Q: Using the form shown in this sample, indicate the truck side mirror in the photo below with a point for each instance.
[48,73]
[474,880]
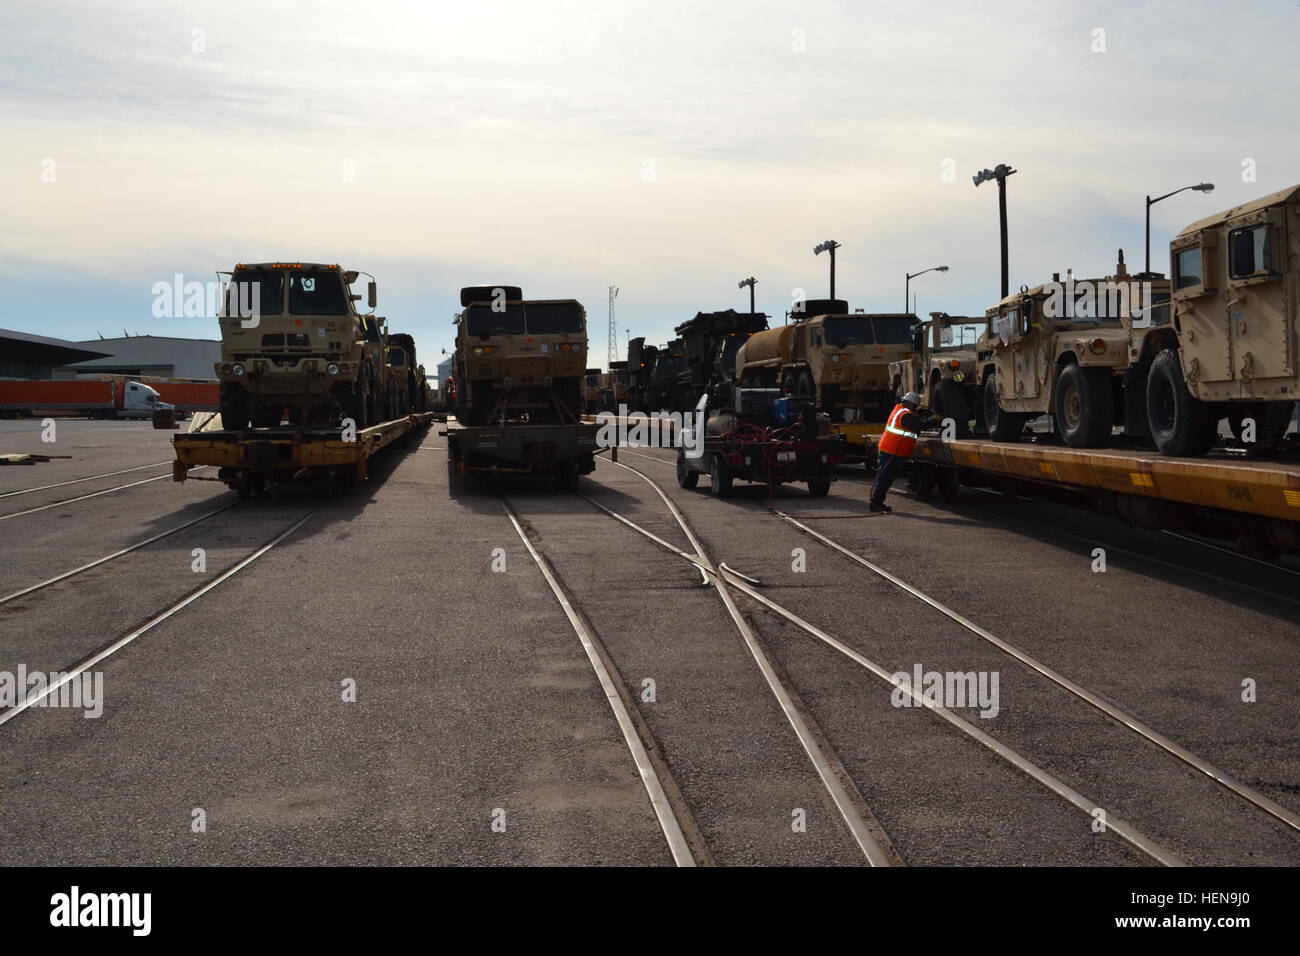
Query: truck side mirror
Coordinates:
[370,293]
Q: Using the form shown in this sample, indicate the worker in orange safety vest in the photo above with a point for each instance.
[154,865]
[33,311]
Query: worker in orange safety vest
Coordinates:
[895,446]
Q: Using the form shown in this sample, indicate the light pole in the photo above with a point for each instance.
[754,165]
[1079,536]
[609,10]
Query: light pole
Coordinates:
[830,245]
[1000,173]
[749,282]
[1199,187]
[912,275]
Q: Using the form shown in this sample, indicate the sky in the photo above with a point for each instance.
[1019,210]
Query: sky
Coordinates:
[670,149]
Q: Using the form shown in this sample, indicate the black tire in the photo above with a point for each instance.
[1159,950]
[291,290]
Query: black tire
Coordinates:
[819,487]
[789,383]
[950,402]
[1181,425]
[1272,420]
[686,478]
[1002,426]
[719,478]
[234,408]
[1085,406]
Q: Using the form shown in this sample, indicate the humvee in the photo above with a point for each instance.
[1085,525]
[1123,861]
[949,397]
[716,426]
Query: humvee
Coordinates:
[1232,346]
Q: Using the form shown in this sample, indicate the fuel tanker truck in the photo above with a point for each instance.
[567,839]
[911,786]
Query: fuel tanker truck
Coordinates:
[827,355]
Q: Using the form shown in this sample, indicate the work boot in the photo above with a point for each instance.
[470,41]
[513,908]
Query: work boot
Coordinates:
[879,507]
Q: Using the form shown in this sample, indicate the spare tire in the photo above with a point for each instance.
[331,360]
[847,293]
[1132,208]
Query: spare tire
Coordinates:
[486,293]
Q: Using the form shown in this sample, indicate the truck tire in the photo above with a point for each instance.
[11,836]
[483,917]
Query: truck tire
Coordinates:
[1272,421]
[1002,426]
[950,402]
[1085,406]
[234,408]
[686,478]
[819,487]
[719,478]
[1181,425]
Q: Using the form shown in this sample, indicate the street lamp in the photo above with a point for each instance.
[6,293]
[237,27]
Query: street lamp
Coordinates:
[913,275]
[1000,173]
[1199,187]
[830,245]
[749,282]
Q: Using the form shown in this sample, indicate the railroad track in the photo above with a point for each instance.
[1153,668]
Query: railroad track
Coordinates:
[1112,713]
[95,494]
[673,813]
[723,575]
[109,648]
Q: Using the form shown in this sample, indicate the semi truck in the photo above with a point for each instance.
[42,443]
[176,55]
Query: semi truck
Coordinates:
[107,398]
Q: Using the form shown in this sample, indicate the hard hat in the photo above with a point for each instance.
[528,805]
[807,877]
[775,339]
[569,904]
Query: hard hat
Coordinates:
[912,399]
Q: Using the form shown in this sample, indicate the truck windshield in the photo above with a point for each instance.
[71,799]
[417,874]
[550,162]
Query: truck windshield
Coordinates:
[849,330]
[316,293]
[268,287]
[553,317]
[481,320]
[893,331]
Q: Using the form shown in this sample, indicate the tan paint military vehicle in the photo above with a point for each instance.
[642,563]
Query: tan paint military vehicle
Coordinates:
[591,383]
[1232,345]
[943,374]
[405,378]
[1065,349]
[518,360]
[304,350]
[827,354]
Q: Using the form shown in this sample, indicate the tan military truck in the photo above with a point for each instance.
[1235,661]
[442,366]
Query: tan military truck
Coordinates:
[836,358]
[1065,349]
[943,374]
[293,342]
[1231,348]
[517,359]
[404,387]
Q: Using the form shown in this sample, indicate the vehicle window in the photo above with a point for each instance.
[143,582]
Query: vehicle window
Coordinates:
[553,317]
[249,286]
[369,329]
[1187,268]
[1249,251]
[396,357]
[481,320]
[849,330]
[892,331]
[316,293]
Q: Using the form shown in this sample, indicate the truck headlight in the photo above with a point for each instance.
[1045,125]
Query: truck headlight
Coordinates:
[237,370]
[332,368]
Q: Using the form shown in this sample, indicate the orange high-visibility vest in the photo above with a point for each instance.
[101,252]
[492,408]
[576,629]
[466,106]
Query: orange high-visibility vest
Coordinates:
[896,440]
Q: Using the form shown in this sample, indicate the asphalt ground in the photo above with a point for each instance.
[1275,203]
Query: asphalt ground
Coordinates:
[479,732]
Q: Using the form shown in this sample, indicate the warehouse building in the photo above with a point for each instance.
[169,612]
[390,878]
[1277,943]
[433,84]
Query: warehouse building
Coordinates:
[26,356]
[148,355]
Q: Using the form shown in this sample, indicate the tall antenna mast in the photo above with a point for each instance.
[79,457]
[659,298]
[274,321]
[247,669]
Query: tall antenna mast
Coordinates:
[613,327]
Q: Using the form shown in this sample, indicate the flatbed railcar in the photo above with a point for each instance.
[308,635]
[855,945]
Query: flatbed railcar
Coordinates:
[1251,501]
[246,460]
[556,454]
